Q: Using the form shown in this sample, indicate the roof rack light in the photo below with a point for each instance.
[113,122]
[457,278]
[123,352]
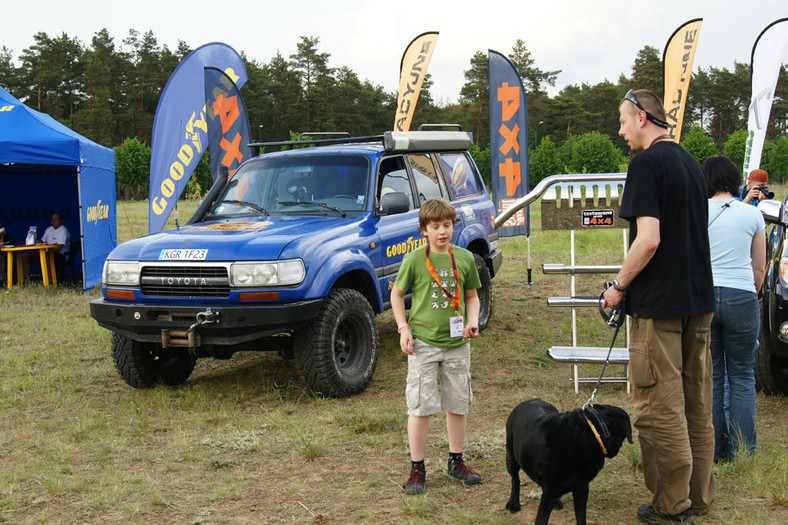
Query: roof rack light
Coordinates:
[404,141]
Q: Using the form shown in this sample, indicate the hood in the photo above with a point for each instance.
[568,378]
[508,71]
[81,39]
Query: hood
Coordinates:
[234,239]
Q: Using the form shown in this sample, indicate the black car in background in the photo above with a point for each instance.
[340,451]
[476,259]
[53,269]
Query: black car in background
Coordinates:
[771,358]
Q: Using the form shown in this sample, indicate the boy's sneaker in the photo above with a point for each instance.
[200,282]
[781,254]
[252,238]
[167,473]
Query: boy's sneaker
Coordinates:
[415,483]
[460,471]
[648,514]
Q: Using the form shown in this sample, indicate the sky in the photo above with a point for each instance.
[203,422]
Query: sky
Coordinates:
[588,40]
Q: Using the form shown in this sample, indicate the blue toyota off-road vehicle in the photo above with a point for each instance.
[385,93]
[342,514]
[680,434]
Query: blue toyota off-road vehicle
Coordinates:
[296,252]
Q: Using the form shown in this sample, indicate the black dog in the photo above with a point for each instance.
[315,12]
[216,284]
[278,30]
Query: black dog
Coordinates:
[561,452]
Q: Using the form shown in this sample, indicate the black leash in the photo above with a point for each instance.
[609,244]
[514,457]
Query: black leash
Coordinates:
[614,319]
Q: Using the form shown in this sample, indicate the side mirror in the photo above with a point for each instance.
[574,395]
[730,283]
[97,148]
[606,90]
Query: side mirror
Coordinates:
[771,211]
[393,203]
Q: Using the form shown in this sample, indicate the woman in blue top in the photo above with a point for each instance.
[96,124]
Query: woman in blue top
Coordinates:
[738,258]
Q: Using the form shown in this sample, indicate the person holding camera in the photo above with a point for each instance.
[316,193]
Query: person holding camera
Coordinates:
[754,189]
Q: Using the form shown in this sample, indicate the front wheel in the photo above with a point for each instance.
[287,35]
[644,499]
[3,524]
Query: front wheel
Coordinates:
[336,354]
[485,292]
[143,365]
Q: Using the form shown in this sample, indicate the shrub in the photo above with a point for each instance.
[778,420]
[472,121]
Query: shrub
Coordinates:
[483,159]
[699,144]
[734,147]
[544,161]
[592,152]
[132,168]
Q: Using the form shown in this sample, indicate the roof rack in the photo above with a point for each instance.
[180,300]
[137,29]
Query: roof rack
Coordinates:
[345,138]
[392,141]
[312,134]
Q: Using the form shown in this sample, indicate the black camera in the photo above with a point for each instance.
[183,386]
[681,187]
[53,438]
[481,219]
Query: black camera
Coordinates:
[766,193]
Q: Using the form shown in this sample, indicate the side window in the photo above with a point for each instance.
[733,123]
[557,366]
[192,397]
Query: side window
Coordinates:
[460,174]
[428,182]
[394,178]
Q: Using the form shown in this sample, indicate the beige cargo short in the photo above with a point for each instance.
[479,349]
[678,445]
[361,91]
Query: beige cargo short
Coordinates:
[423,394]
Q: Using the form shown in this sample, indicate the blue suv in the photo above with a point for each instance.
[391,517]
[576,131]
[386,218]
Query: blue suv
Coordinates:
[296,252]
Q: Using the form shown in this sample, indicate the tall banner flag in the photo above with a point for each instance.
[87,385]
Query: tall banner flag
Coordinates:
[677,62]
[508,142]
[180,127]
[412,71]
[229,133]
[767,53]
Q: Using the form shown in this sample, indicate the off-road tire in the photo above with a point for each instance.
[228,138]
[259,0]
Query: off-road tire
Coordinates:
[771,372]
[336,353]
[143,365]
[485,292]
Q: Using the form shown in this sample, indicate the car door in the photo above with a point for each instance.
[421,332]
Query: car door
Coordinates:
[398,233]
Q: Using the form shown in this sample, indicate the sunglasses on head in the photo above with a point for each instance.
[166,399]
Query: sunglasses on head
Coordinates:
[632,98]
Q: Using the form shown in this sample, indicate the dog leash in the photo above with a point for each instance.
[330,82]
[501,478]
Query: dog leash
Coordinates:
[614,319]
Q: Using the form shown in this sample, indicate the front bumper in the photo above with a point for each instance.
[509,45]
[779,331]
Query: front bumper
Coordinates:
[235,324]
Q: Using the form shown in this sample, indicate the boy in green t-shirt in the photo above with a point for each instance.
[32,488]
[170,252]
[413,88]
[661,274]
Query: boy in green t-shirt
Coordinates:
[444,314]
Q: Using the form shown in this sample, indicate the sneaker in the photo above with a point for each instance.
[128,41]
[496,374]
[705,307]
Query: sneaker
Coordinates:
[462,472]
[647,514]
[415,483]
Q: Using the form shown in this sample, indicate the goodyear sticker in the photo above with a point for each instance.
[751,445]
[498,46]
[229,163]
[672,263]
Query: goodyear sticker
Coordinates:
[404,247]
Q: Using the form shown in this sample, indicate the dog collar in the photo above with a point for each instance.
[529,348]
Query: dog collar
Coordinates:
[596,435]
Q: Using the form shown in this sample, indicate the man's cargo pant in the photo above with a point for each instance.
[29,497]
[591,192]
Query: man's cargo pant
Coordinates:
[671,374]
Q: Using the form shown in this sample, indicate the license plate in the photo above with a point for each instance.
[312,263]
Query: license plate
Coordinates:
[183,255]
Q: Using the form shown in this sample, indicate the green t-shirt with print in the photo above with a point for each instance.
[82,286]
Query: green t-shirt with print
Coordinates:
[431,309]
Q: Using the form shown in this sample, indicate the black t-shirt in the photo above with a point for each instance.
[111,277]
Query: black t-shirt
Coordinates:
[667,183]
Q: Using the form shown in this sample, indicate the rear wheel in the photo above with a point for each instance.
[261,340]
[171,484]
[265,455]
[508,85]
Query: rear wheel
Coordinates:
[143,365]
[337,352]
[485,292]
[771,372]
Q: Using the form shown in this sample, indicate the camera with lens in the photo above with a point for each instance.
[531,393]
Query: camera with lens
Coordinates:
[766,193]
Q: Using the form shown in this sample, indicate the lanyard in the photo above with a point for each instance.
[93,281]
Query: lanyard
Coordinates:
[453,298]
[659,139]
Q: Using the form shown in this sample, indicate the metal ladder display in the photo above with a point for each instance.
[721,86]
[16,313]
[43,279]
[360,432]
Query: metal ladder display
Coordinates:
[587,203]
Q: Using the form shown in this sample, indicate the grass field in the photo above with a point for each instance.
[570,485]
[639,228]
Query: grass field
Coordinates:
[242,442]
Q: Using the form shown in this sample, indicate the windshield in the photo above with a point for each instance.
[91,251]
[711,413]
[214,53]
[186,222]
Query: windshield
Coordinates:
[304,185]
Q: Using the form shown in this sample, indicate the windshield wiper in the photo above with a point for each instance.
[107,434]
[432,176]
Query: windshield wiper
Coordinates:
[321,204]
[246,204]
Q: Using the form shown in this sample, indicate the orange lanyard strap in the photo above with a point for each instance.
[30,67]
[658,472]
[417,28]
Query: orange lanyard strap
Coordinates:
[660,139]
[454,299]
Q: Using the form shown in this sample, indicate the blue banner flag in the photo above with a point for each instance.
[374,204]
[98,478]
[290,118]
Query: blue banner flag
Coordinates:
[508,143]
[229,134]
[180,127]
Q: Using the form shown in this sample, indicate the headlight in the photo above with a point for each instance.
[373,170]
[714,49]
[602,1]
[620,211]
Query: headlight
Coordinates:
[274,273]
[784,269]
[121,273]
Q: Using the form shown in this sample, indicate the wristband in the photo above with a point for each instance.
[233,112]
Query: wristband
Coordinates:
[618,286]
[401,326]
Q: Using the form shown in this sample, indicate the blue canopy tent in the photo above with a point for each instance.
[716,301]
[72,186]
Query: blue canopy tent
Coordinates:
[44,168]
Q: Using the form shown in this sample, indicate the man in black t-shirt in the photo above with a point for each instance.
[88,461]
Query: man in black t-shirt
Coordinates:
[667,281]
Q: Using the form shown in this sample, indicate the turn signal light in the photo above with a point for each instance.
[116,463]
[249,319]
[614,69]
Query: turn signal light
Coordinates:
[258,296]
[120,294]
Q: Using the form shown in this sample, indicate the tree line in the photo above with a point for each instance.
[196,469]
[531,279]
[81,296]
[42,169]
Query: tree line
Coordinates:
[109,91]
